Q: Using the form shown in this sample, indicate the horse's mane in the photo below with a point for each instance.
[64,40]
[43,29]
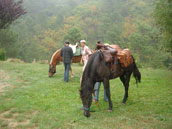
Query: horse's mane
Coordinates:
[54,55]
[88,68]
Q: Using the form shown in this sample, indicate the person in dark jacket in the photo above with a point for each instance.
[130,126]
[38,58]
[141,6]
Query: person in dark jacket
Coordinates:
[67,55]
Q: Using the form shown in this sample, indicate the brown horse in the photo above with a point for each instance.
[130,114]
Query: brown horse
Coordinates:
[56,58]
[98,70]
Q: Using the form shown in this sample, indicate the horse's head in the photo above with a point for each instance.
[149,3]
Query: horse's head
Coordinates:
[86,97]
[52,70]
[74,47]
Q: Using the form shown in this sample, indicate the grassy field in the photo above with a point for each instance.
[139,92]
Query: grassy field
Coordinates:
[29,99]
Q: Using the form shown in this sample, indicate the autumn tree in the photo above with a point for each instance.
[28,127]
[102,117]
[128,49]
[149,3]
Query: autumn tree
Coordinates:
[10,10]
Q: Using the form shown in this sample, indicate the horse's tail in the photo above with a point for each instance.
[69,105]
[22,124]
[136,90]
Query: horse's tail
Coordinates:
[136,73]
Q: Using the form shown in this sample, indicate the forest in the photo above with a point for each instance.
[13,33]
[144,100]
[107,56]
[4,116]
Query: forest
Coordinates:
[131,24]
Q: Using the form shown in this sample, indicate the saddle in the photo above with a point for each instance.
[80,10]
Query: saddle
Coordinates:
[108,55]
[110,51]
[125,57]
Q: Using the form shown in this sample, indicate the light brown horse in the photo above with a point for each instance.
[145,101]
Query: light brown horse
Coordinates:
[56,58]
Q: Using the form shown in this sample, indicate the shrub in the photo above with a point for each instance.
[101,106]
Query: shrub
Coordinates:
[15,60]
[2,54]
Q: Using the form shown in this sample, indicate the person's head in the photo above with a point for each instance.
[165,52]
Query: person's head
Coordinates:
[83,42]
[67,43]
[99,42]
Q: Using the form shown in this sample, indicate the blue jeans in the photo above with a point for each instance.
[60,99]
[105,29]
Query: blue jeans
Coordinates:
[66,72]
[97,89]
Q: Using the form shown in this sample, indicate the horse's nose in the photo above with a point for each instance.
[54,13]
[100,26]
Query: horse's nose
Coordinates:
[49,76]
[87,113]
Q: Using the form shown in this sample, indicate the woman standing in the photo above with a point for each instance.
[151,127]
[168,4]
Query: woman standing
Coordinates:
[85,52]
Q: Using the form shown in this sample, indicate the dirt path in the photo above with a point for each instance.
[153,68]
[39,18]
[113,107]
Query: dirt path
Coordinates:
[9,120]
[4,77]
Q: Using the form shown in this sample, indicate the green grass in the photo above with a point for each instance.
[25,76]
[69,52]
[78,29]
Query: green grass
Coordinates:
[32,100]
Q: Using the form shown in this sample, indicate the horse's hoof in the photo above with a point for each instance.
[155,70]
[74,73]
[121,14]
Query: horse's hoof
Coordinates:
[109,110]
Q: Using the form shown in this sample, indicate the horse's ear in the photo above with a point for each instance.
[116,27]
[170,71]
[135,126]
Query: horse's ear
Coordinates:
[77,44]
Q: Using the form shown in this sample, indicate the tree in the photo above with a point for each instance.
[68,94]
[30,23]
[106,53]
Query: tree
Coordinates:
[73,35]
[163,13]
[8,42]
[9,12]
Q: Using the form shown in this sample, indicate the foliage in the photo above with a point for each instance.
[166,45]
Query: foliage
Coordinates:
[129,24]
[8,42]
[163,13]
[2,54]
[73,35]
[10,11]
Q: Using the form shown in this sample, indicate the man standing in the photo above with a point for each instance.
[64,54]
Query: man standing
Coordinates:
[67,55]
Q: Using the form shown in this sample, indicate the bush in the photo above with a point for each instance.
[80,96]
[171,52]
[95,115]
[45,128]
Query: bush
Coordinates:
[15,60]
[2,54]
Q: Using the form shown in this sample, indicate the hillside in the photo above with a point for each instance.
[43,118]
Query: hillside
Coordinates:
[48,23]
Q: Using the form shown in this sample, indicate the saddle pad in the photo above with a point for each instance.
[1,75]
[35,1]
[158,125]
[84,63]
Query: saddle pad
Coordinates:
[78,52]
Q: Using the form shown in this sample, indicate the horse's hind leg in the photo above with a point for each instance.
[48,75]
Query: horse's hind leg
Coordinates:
[125,80]
[72,74]
[106,85]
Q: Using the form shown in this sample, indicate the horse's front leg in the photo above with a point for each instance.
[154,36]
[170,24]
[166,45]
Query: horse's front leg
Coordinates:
[107,87]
